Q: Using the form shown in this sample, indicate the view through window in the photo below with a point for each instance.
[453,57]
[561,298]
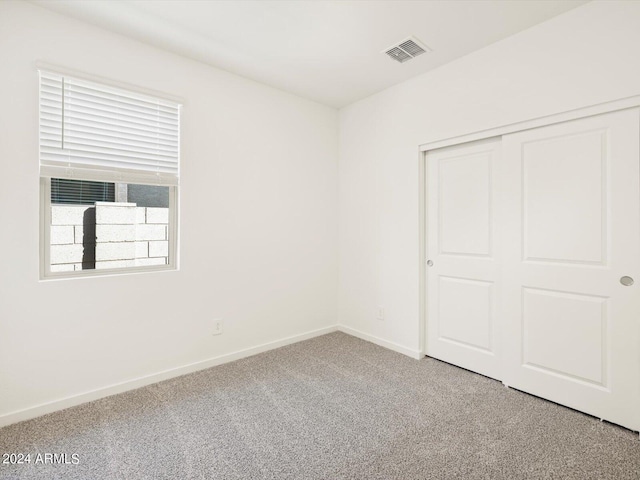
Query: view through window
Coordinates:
[100,225]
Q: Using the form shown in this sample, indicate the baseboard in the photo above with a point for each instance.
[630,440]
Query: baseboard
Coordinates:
[72,401]
[417,354]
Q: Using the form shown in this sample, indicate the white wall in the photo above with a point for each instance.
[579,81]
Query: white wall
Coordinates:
[258,223]
[586,56]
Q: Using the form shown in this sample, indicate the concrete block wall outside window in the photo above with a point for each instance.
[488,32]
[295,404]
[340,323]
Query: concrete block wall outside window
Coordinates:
[108,235]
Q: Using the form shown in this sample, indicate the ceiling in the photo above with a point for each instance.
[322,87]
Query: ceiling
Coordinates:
[328,51]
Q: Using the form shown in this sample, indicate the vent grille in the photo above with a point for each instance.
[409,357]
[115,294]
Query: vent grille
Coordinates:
[406,50]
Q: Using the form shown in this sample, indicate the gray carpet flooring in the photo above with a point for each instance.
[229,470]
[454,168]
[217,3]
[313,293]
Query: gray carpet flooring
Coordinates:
[334,407]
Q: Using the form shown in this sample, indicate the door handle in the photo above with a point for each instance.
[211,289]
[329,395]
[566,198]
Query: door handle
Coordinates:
[626,281]
[429,263]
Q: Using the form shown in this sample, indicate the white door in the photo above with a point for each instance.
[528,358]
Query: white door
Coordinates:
[571,231]
[462,246]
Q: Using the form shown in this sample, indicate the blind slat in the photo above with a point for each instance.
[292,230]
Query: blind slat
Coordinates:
[105,141]
[95,116]
[90,150]
[71,123]
[83,95]
[73,103]
[118,95]
[50,129]
[102,175]
[52,81]
[77,159]
[80,192]
[52,102]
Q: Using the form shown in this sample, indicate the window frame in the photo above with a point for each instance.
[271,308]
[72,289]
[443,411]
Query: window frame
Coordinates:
[123,176]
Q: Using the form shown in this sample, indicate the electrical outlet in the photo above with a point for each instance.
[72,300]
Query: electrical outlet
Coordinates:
[217,326]
[380,312]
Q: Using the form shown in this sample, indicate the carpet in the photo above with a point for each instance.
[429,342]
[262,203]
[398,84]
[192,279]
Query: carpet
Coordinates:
[333,407]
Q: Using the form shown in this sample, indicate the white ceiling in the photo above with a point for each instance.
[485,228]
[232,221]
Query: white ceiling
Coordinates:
[328,51]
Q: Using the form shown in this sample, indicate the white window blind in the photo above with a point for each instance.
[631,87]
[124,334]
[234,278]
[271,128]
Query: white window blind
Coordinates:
[98,132]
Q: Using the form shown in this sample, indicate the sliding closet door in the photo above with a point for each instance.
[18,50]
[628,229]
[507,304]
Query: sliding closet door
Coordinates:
[571,249]
[463,252]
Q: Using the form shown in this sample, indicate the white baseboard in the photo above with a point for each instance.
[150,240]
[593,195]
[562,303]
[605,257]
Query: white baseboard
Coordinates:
[72,401]
[417,354]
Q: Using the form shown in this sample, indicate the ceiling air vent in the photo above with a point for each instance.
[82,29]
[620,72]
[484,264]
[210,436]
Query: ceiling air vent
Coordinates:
[406,50]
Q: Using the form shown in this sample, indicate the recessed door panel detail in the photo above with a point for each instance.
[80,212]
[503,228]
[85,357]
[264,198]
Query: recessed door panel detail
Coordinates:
[469,322]
[564,184]
[556,323]
[465,204]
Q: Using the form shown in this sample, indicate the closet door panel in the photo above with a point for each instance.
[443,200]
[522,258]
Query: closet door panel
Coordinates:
[462,280]
[571,231]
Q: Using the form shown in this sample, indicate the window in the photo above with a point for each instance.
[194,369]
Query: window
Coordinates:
[109,175]
[64,190]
